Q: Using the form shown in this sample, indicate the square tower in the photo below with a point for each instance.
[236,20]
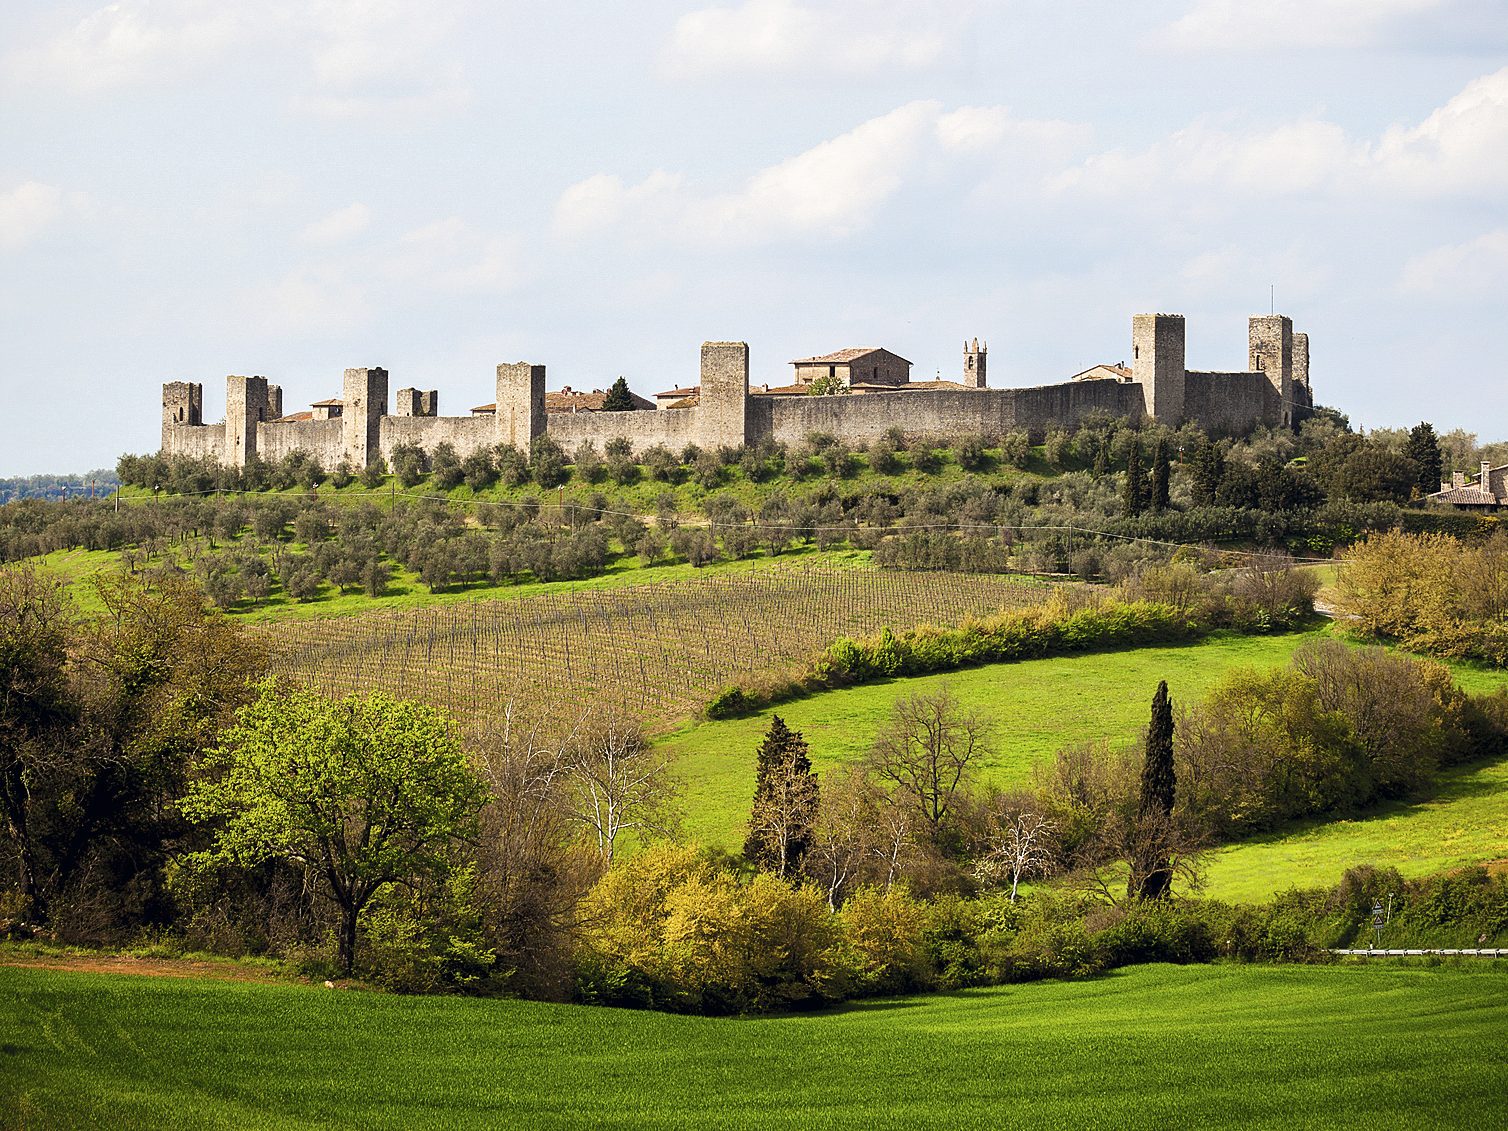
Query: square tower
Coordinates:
[520,414]
[723,406]
[246,406]
[182,404]
[974,358]
[1301,360]
[1270,347]
[1157,364]
[363,405]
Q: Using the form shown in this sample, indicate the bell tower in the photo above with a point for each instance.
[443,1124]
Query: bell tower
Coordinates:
[974,357]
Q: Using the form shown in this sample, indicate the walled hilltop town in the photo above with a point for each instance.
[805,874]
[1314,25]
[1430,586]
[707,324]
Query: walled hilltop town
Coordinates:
[723,409]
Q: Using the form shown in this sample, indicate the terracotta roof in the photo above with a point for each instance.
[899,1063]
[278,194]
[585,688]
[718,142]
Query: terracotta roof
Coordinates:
[782,390]
[293,418]
[1119,371]
[687,402]
[919,385]
[333,402]
[689,390]
[569,400]
[1466,496]
[481,408]
[842,357]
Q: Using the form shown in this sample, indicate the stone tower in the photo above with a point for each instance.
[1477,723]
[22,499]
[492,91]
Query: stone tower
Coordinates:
[182,403]
[520,414]
[363,405]
[1157,364]
[246,405]
[1301,360]
[723,405]
[1270,345]
[974,358]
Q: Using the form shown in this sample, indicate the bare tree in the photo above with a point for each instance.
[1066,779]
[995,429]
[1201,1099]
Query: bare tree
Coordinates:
[1020,848]
[620,782]
[929,751]
[842,833]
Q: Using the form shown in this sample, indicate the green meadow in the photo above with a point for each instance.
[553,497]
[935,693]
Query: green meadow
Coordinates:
[1151,1046]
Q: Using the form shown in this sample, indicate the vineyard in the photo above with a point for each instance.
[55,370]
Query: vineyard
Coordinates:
[660,650]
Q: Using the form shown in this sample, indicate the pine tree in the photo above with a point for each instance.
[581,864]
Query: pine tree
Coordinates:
[1162,472]
[1135,492]
[1424,449]
[618,398]
[1151,863]
[785,801]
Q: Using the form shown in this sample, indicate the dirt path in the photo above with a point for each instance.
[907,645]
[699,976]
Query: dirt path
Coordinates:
[144,967]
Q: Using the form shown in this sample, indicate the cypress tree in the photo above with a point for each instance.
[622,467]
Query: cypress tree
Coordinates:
[618,398]
[1206,470]
[1162,472]
[1424,449]
[1151,864]
[785,801]
[1135,492]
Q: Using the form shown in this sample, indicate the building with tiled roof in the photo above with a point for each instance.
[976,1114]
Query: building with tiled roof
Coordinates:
[869,365]
[569,400]
[1487,493]
[1104,372]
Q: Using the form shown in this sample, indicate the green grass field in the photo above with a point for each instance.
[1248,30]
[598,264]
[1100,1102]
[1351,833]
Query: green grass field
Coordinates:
[1153,1046]
[1465,821]
[1039,706]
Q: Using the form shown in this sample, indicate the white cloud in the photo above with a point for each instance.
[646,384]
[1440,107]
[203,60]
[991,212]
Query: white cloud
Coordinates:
[358,56]
[338,226]
[1476,267]
[852,37]
[830,191]
[1461,148]
[1241,25]
[27,211]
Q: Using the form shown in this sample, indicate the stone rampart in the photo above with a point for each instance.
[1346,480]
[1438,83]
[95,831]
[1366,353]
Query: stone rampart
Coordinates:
[1230,401]
[466,434]
[672,427]
[322,439]
[195,441]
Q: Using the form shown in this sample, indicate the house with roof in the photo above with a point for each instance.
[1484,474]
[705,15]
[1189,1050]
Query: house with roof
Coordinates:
[864,365]
[569,400]
[1484,495]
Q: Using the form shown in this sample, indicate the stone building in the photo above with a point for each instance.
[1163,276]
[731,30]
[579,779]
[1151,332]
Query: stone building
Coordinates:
[1486,494]
[723,409]
[865,366]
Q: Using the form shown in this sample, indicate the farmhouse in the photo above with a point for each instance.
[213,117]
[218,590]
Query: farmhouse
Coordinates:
[871,393]
[1484,495]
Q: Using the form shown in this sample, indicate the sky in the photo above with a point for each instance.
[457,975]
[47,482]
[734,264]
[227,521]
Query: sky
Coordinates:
[190,188]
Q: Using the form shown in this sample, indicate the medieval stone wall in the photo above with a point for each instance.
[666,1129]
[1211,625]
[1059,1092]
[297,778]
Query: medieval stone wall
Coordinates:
[466,434]
[321,439]
[672,427]
[196,441]
[1230,401]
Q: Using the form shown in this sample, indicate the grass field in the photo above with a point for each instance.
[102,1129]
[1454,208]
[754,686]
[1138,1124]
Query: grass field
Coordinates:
[1465,821]
[1355,1046]
[1039,706]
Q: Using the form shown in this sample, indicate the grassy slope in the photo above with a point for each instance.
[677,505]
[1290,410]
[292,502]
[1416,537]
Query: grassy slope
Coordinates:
[1039,705]
[1146,1047]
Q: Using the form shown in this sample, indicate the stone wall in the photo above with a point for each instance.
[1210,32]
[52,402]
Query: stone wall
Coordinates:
[196,441]
[940,412]
[1230,401]
[322,439]
[673,427]
[464,433]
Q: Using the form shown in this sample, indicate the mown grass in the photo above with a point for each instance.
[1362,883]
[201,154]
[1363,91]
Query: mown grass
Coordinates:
[1464,821]
[1038,706]
[1373,1046]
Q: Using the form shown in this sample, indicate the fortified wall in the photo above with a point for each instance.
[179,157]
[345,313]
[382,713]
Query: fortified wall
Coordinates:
[359,427]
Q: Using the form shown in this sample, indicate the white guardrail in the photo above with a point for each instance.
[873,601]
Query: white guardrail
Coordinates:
[1379,952]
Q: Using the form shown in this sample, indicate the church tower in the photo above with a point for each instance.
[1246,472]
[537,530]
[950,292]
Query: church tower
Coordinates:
[974,357]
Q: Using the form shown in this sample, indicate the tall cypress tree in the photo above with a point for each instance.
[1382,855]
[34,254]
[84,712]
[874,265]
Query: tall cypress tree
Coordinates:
[1423,448]
[1206,470]
[1135,492]
[618,398]
[1151,856]
[1162,473]
[785,801]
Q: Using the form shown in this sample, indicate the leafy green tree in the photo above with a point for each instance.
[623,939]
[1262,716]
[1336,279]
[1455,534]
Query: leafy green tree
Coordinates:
[1423,448]
[1206,470]
[1151,864]
[785,801]
[618,398]
[445,466]
[35,705]
[362,794]
[375,474]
